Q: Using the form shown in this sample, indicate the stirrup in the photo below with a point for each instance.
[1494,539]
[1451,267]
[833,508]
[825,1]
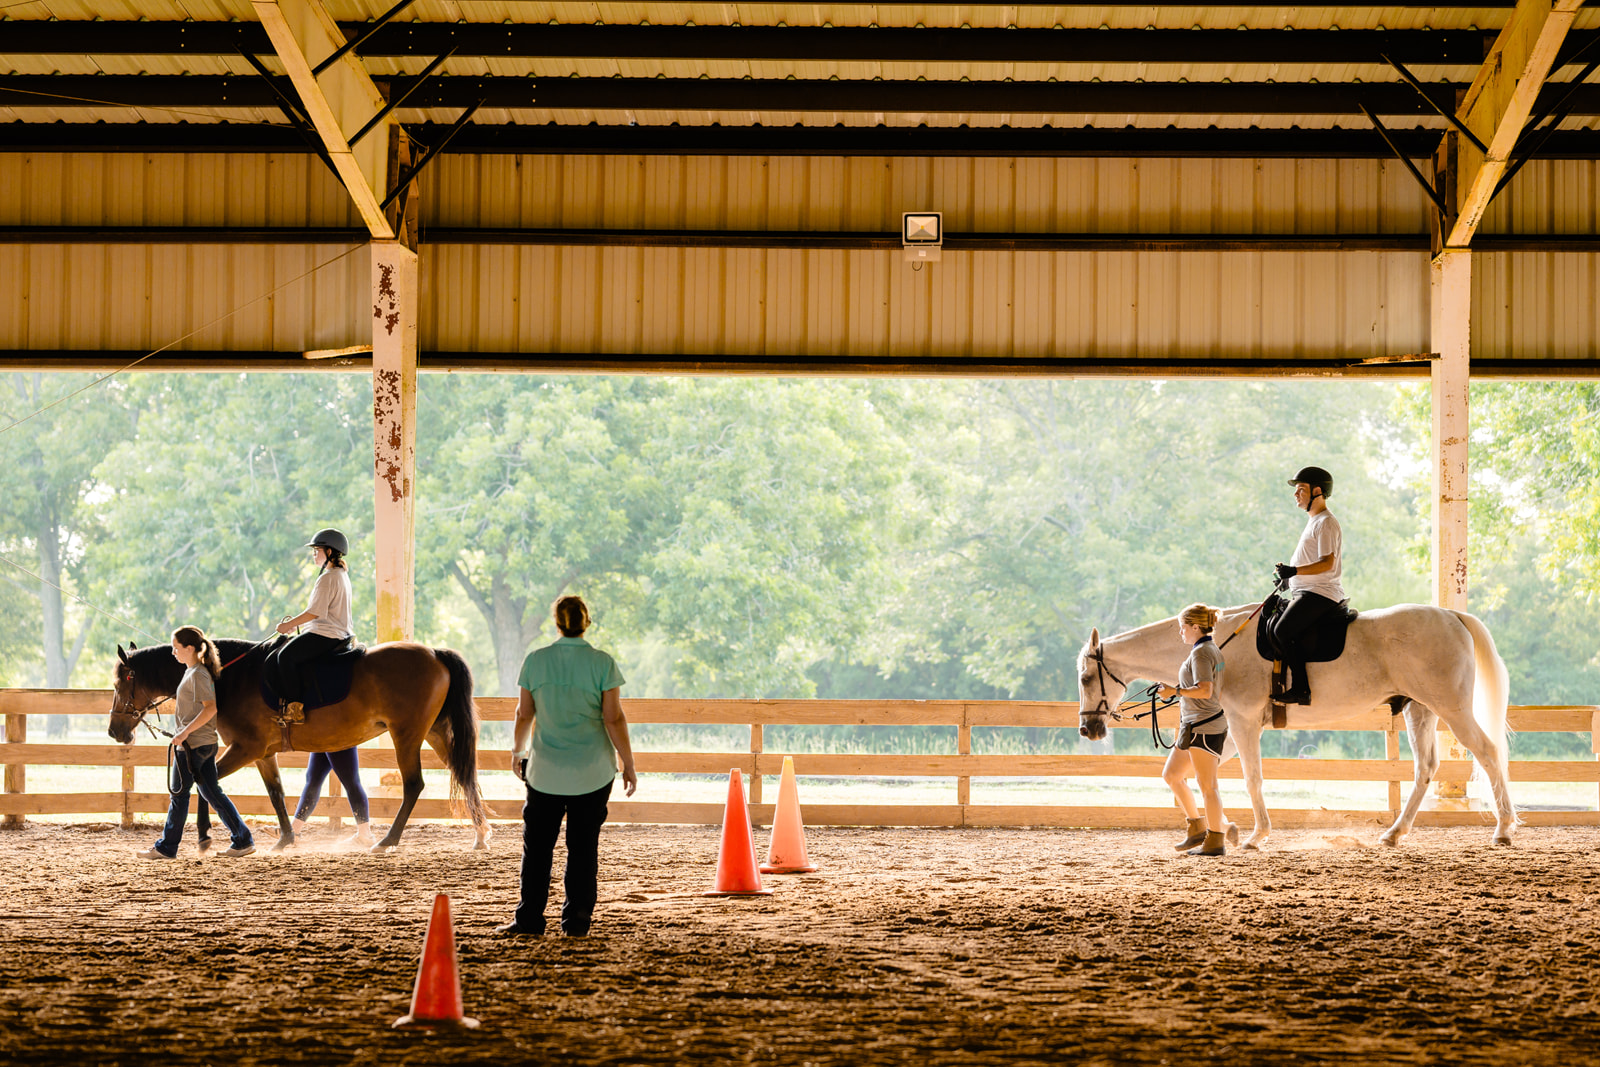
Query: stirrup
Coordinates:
[291,713]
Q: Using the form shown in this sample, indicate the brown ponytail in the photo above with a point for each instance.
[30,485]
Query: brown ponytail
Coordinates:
[195,638]
[571,615]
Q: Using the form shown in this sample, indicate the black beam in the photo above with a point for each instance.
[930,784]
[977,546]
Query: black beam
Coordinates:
[690,94]
[1268,366]
[1004,141]
[1463,48]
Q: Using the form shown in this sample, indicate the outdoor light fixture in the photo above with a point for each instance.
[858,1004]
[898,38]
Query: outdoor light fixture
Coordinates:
[922,236]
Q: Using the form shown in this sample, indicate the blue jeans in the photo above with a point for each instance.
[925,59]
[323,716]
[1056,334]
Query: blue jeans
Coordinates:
[347,765]
[197,768]
[541,825]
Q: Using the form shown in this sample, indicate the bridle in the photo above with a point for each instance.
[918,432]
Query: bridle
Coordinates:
[138,716]
[1104,706]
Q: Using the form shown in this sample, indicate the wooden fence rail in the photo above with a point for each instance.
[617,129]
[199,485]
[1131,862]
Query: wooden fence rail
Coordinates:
[962,765]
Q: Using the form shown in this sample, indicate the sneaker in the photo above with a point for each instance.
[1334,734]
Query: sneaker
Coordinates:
[235,852]
[511,929]
[153,854]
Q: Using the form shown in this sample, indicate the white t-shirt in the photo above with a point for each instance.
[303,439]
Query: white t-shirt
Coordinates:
[1320,538]
[330,603]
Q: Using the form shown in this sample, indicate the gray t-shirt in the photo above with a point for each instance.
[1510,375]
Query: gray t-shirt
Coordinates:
[1203,665]
[1321,537]
[194,692]
[330,603]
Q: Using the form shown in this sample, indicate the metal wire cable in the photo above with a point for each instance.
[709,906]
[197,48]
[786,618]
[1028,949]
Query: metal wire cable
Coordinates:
[178,340]
[79,599]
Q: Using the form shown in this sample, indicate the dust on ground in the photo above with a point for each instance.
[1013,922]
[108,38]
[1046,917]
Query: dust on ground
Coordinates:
[927,946]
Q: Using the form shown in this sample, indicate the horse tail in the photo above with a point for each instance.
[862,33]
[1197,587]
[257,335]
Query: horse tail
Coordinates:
[1491,690]
[462,715]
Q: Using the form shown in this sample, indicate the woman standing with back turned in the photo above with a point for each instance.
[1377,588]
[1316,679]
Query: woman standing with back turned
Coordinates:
[569,709]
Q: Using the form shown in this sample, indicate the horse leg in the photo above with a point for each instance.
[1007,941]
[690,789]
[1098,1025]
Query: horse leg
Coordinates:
[439,741]
[202,822]
[268,766]
[1472,736]
[408,757]
[1248,739]
[1420,725]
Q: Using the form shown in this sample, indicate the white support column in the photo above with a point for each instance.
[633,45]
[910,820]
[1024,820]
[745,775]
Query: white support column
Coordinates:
[1451,279]
[394,432]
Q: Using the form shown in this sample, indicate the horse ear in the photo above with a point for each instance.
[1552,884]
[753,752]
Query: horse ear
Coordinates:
[1094,637]
[132,645]
[123,656]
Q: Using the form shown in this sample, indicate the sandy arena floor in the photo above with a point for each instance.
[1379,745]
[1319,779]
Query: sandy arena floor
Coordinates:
[908,946]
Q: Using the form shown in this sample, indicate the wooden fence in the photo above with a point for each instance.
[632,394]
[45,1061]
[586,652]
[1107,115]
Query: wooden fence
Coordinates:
[16,753]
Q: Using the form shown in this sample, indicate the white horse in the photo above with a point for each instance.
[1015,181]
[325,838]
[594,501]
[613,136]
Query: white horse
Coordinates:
[1432,661]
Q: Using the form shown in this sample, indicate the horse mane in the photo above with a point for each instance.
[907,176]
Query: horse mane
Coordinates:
[158,666]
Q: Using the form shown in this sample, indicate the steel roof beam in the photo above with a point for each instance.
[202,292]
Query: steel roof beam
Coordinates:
[1499,101]
[26,91]
[1004,141]
[1464,48]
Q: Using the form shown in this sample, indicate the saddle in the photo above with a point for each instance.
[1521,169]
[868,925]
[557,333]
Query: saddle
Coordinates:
[1326,644]
[327,681]
[1327,637]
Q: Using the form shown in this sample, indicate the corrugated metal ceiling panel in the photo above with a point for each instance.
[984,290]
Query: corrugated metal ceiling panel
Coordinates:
[793,303]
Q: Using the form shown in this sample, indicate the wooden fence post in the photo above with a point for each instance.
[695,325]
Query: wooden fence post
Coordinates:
[1594,733]
[127,787]
[335,814]
[755,763]
[964,748]
[16,774]
[1391,752]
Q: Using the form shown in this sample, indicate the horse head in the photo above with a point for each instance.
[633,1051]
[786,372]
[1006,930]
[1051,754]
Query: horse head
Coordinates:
[1100,691]
[133,695]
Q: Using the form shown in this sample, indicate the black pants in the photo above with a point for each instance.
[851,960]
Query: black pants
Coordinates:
[1291,631]
[285,669]
[541,825]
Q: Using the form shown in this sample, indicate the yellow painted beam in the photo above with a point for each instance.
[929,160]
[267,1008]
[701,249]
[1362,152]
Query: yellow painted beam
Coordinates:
[339,103]
[1499,102]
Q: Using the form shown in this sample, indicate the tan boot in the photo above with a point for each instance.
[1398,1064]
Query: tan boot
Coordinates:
[1212,845]
[1197,834]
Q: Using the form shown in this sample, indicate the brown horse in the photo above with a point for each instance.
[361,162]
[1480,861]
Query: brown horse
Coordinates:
[413,692]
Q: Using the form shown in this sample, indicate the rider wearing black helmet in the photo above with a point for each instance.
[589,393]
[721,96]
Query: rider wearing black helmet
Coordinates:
[1313,579]
[326,618]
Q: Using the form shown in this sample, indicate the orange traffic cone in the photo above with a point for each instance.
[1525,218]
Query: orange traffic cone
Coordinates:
[786,852]
[436,1000]
[737,874]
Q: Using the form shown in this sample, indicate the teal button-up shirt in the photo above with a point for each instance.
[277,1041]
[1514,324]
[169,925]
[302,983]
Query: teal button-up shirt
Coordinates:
[572,754]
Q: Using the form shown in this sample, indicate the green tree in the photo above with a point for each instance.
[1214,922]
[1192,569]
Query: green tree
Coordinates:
[224,481]
[47,474]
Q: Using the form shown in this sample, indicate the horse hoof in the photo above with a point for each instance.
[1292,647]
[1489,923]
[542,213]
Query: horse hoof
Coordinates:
[382,848]
[1502,839]
[1389,841]
[205,845]
[283,843]
[480,846]
[1232,834]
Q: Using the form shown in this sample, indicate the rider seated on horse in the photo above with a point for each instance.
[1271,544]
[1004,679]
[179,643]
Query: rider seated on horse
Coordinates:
[1313,580]
[327,622]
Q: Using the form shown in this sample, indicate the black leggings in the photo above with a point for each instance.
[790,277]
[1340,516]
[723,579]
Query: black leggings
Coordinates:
[347,765]
[1294,622]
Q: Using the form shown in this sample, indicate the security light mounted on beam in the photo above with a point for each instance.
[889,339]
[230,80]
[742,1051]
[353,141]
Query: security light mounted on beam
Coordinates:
[921,236]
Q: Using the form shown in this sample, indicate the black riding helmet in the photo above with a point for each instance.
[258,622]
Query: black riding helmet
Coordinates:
[1315,477]
[330,539]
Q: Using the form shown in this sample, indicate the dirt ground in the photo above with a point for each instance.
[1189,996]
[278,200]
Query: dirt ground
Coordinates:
[908,946]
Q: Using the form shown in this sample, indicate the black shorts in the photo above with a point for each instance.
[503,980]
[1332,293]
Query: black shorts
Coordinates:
[1212,743]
